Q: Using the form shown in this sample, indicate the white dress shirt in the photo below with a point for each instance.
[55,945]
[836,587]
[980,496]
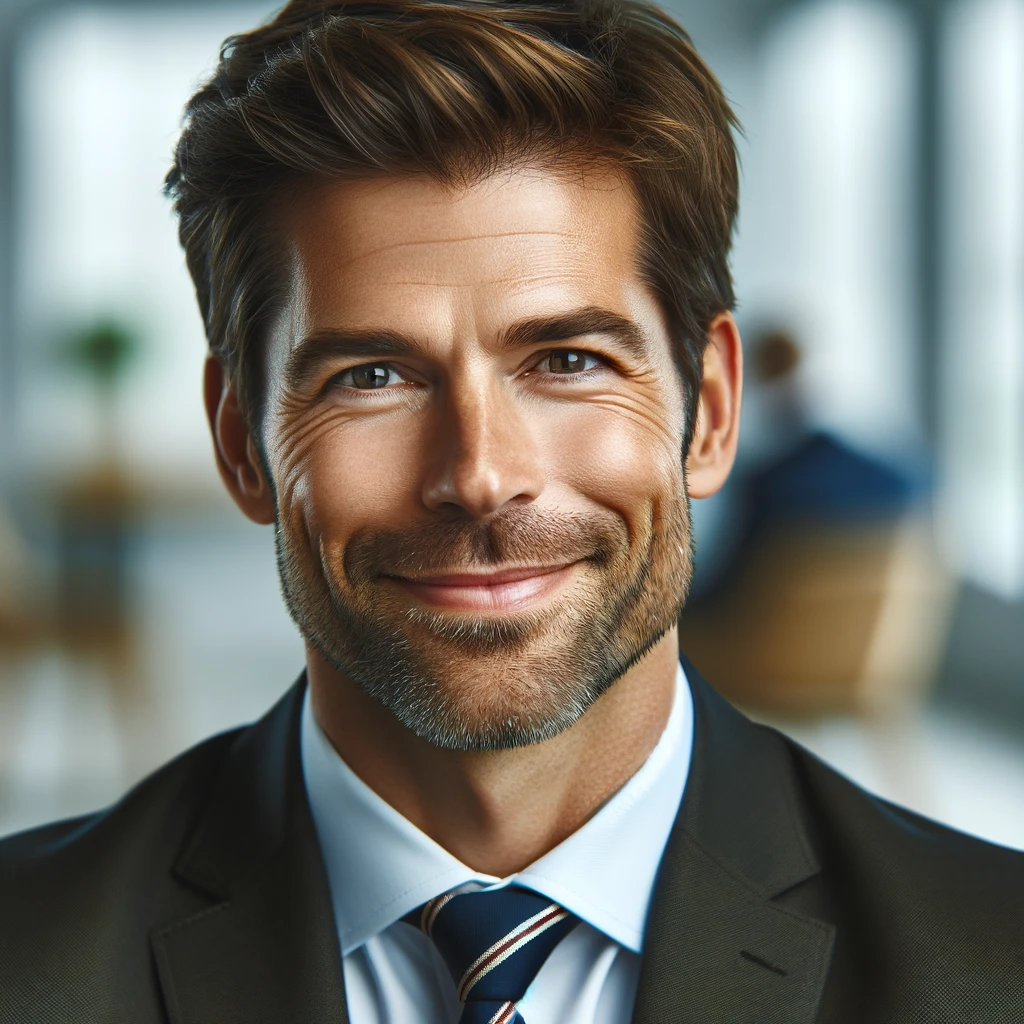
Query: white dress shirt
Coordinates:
[380,866]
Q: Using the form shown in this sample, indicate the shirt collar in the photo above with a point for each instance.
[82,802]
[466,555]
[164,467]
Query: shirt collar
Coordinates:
[380,866]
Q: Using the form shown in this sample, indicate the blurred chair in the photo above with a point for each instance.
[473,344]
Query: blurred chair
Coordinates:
[85,611]
[835,600]
[25,628]
[24,611]
[69,623]
[825,619]
[98,517]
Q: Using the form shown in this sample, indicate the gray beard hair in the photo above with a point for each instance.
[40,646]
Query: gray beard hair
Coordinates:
[534,695]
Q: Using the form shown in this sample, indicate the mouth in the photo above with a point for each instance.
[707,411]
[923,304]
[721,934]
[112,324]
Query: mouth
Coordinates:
[503,590]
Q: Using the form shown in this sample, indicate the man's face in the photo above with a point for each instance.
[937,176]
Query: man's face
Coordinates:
[474,427]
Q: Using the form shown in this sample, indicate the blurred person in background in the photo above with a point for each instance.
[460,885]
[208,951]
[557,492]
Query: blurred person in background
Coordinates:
[833,599]
[463,270]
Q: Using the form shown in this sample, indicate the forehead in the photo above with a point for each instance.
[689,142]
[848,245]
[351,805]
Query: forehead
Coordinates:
[414,255]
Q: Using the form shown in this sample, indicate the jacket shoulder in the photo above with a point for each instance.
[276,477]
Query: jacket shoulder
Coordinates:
[928,919]
[898,836]
[79,897]
[156,808]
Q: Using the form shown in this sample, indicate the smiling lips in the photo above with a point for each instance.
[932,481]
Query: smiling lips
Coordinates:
[503,591]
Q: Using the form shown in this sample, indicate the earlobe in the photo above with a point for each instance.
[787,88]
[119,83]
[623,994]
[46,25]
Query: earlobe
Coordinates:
[235,449]
[716,431]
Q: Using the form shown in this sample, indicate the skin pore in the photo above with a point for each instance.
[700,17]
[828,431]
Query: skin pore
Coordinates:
[473,426]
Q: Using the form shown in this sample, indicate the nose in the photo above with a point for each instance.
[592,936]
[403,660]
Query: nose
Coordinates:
[482,454]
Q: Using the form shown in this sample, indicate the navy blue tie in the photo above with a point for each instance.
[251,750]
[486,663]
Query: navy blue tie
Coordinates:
[494,942]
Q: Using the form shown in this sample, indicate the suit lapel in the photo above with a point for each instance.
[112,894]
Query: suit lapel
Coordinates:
[265,949]
[719,948]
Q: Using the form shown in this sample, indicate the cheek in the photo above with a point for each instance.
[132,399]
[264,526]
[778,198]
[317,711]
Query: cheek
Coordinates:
[620,456]
[348,477]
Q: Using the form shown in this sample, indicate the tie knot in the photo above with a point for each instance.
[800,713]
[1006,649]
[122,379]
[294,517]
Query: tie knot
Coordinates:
[494,941]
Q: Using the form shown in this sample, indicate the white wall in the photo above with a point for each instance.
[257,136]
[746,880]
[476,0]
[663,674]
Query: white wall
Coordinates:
[100,92]
[982,400]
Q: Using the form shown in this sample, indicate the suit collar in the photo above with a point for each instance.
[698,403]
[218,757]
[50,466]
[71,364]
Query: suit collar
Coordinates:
[719,948]
[380,866]
[742,802]
[265,950]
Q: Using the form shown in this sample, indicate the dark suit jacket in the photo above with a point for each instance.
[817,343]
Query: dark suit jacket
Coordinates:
[786,895]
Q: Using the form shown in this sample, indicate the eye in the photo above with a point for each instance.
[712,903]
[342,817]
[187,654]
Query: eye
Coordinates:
[568,360]
[369,376]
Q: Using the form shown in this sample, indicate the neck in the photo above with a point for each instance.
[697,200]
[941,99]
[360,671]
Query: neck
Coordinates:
[498,811]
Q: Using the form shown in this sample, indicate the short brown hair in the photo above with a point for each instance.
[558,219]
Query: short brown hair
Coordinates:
[453,89]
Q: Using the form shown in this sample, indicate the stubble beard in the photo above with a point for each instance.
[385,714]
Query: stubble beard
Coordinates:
[478,682]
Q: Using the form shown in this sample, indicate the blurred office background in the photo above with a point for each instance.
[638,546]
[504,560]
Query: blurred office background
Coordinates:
[860,582]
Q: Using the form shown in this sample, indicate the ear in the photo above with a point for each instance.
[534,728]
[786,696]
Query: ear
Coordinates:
[236,452]
[716,433]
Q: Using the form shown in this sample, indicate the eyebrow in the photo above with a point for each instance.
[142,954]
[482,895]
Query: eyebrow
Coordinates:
[576,324]
[321,346]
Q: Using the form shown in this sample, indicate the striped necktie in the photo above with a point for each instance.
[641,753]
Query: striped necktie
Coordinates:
[494,942]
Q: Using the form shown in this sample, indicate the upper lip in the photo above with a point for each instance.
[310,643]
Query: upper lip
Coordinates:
[486,579]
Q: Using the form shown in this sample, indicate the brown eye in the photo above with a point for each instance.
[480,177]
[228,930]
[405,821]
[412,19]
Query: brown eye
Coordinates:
[567,360]
[372,375]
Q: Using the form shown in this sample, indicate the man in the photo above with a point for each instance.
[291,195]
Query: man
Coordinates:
[463,272]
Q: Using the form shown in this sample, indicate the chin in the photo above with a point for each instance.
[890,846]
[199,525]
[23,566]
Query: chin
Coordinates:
[494,708]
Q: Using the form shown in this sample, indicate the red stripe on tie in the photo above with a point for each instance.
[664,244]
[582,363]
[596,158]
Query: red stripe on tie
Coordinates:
[493,956]
[432,909]
[505,1014]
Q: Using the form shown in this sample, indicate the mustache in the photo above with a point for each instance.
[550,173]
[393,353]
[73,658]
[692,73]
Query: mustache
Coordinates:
[518,536]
